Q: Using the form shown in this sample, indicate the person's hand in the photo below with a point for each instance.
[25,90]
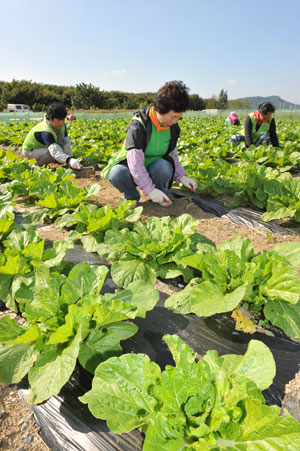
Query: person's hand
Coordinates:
[189,183]
[158,196]
[75,164]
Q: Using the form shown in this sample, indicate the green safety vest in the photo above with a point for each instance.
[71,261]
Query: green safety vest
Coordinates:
[31,143]
[264,128]
[156,148]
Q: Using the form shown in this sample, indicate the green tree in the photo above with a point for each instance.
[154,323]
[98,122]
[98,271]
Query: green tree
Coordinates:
[114,99]
[239,104]
[223,99]
[38,107]
[212,103]
[196,102]
[19,92]
[87,96]
[24,91]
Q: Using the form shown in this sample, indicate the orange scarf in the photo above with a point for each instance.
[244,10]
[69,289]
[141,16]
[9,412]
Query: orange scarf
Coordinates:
[155,122]
[257,117]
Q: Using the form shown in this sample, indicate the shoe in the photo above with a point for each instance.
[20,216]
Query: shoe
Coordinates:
[165,204]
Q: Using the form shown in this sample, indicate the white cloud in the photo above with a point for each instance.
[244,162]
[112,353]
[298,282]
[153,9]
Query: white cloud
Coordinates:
[115,72]
[231,82]
[119,72]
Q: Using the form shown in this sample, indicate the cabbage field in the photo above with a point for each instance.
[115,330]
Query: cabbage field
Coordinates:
[209,402]
[264,177]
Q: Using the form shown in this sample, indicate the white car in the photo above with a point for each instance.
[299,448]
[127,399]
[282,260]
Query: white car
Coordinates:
[18,108]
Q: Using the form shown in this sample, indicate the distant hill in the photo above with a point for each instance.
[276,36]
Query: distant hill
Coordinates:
[277,101]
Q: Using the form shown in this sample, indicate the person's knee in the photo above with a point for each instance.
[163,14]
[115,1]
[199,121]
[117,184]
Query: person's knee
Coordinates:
[112,174]
[162,168]
[117,173]
[167,168]
[121,178]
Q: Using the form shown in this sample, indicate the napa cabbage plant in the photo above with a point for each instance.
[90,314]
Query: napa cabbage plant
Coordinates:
[66,319]
[210,404]
[267,282]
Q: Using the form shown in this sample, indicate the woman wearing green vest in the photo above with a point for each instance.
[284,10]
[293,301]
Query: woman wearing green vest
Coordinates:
[149,159]
[259,128]
[48,141]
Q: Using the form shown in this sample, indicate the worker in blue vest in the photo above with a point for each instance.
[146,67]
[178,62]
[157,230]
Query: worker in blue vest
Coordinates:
[48,141]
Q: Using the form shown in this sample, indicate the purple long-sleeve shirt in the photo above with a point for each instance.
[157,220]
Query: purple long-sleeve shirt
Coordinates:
[136,164]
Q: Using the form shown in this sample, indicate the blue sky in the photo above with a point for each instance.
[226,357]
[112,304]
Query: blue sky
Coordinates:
[248,48]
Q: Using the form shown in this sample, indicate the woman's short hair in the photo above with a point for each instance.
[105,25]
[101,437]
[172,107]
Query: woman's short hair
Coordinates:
[266,107]
[56,111]
[173,95]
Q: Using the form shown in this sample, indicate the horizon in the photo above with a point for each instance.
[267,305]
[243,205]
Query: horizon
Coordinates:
[141,92]
[131,48]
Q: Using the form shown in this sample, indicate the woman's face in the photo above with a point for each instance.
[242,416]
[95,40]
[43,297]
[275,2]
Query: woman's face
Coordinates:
[57,123]
[168,119]
[267,117]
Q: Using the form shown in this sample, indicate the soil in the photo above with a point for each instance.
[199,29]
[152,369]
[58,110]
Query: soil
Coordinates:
[18,428]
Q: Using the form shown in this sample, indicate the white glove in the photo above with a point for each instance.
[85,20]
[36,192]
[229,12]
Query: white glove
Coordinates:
[158,196]
[74,164]
[189,183]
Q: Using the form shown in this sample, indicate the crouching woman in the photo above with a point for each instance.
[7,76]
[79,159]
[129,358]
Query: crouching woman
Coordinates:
[48,141]
[148,159]
[259,128]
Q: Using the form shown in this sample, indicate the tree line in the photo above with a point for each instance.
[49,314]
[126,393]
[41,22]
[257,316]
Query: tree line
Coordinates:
[87,96]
